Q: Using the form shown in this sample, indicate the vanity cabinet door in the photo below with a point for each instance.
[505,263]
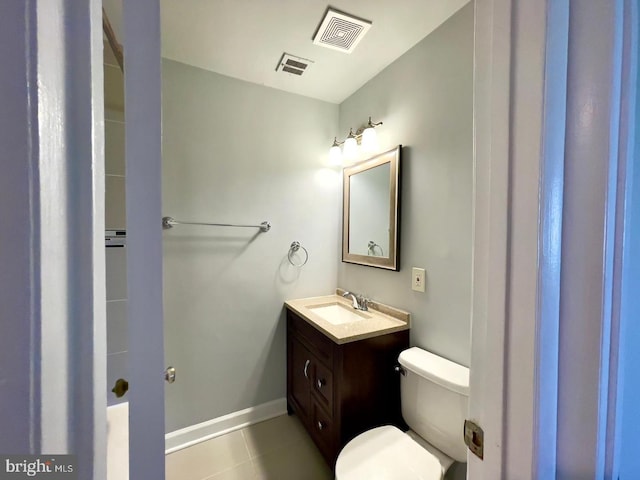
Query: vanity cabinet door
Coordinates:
[339,391]
[301,364]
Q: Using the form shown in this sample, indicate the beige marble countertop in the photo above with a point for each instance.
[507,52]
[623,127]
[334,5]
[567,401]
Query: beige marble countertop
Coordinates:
[380,319]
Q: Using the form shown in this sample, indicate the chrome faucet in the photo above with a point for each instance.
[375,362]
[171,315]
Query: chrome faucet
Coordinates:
[359,302]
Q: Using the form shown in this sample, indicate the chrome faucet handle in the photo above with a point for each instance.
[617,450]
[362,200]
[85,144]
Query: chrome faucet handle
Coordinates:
[363,303]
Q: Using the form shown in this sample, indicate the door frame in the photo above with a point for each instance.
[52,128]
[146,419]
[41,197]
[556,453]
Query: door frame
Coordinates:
[143,152]
[53,353]
[623,415]
[543,371]
[505,30]
[492,50]
[520,78]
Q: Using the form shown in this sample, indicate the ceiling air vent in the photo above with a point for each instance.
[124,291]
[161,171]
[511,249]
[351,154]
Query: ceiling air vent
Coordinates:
[291,64]
[340,31]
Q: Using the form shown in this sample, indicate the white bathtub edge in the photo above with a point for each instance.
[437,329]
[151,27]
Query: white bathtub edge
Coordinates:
[118,442]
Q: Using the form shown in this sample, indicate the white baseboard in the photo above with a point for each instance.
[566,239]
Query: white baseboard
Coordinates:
[185,437]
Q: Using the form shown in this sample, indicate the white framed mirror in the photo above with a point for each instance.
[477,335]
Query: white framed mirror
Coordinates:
[371,211]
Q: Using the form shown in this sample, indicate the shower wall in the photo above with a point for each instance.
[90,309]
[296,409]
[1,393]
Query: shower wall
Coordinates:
[115,219]
[237,152]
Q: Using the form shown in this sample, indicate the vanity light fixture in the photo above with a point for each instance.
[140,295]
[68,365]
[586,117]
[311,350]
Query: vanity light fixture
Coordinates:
[350,148]
[365,137]
[369,140]
[335,154]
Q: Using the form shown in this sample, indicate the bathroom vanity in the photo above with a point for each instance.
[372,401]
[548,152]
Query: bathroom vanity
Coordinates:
[341,376]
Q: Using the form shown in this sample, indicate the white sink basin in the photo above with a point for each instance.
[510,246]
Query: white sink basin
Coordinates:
[337,313]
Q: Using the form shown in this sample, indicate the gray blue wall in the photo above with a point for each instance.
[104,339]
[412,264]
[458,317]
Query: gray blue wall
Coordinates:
[236,152]
[425,100]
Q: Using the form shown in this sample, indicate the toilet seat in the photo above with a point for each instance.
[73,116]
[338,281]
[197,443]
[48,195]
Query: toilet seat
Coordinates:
[386,453]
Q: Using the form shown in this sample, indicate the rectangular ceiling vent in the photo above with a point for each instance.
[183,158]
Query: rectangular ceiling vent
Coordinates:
[340,31]
[291,64]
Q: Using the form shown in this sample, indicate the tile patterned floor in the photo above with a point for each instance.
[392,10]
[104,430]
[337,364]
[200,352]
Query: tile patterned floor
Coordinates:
[277,449]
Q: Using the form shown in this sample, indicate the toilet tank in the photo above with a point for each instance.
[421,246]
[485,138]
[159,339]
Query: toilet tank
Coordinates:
[435,394]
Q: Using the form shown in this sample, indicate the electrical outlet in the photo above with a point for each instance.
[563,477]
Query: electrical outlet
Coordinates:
[417,279]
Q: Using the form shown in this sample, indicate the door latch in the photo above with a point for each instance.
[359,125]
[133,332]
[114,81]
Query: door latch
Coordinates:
[474,438]
[120,388]
[170,374]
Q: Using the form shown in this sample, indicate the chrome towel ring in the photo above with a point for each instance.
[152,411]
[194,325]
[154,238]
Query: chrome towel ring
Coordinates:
[371,250]
[295,247]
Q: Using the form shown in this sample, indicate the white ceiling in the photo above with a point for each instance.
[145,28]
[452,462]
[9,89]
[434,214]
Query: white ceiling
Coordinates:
[245,39]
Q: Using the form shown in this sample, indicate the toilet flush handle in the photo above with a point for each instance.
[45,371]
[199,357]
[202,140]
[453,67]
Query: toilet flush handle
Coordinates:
[400,370]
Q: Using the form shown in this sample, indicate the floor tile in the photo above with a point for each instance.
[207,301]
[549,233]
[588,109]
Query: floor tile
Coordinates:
[244,471]
[298,461]
[208,458]
[270,435]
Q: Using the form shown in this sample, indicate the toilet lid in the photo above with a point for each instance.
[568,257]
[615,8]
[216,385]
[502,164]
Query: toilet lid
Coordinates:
[386,453]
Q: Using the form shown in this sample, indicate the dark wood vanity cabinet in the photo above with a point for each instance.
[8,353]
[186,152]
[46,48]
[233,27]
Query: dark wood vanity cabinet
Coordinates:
[339,391]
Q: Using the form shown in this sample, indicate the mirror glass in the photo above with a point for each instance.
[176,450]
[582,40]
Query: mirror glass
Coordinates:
[370,211]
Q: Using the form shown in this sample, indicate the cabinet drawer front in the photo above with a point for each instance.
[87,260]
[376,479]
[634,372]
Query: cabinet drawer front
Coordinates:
[318,343]
[322,431]
[323,386]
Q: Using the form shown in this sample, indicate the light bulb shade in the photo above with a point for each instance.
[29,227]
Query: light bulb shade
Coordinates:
[350,147]
[335,155]
[369,140]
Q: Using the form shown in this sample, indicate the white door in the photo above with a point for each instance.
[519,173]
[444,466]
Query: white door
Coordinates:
[141,22]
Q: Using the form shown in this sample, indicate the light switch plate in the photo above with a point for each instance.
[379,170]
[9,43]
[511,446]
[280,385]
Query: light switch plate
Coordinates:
[417,279]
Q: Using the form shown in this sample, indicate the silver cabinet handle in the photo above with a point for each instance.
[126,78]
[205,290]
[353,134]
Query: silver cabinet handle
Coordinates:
[320,383]
[320,425]
[306,367]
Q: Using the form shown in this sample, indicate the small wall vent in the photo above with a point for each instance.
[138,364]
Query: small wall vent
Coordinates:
[292,64]
[340,31]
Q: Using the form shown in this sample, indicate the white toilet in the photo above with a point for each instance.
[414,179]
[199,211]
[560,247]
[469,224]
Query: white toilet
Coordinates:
[435,394]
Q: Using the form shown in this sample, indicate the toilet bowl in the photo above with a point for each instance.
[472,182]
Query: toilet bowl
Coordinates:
[387,453]
[434,394]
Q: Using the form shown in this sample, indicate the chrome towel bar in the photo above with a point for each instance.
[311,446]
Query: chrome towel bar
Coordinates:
[170,222]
